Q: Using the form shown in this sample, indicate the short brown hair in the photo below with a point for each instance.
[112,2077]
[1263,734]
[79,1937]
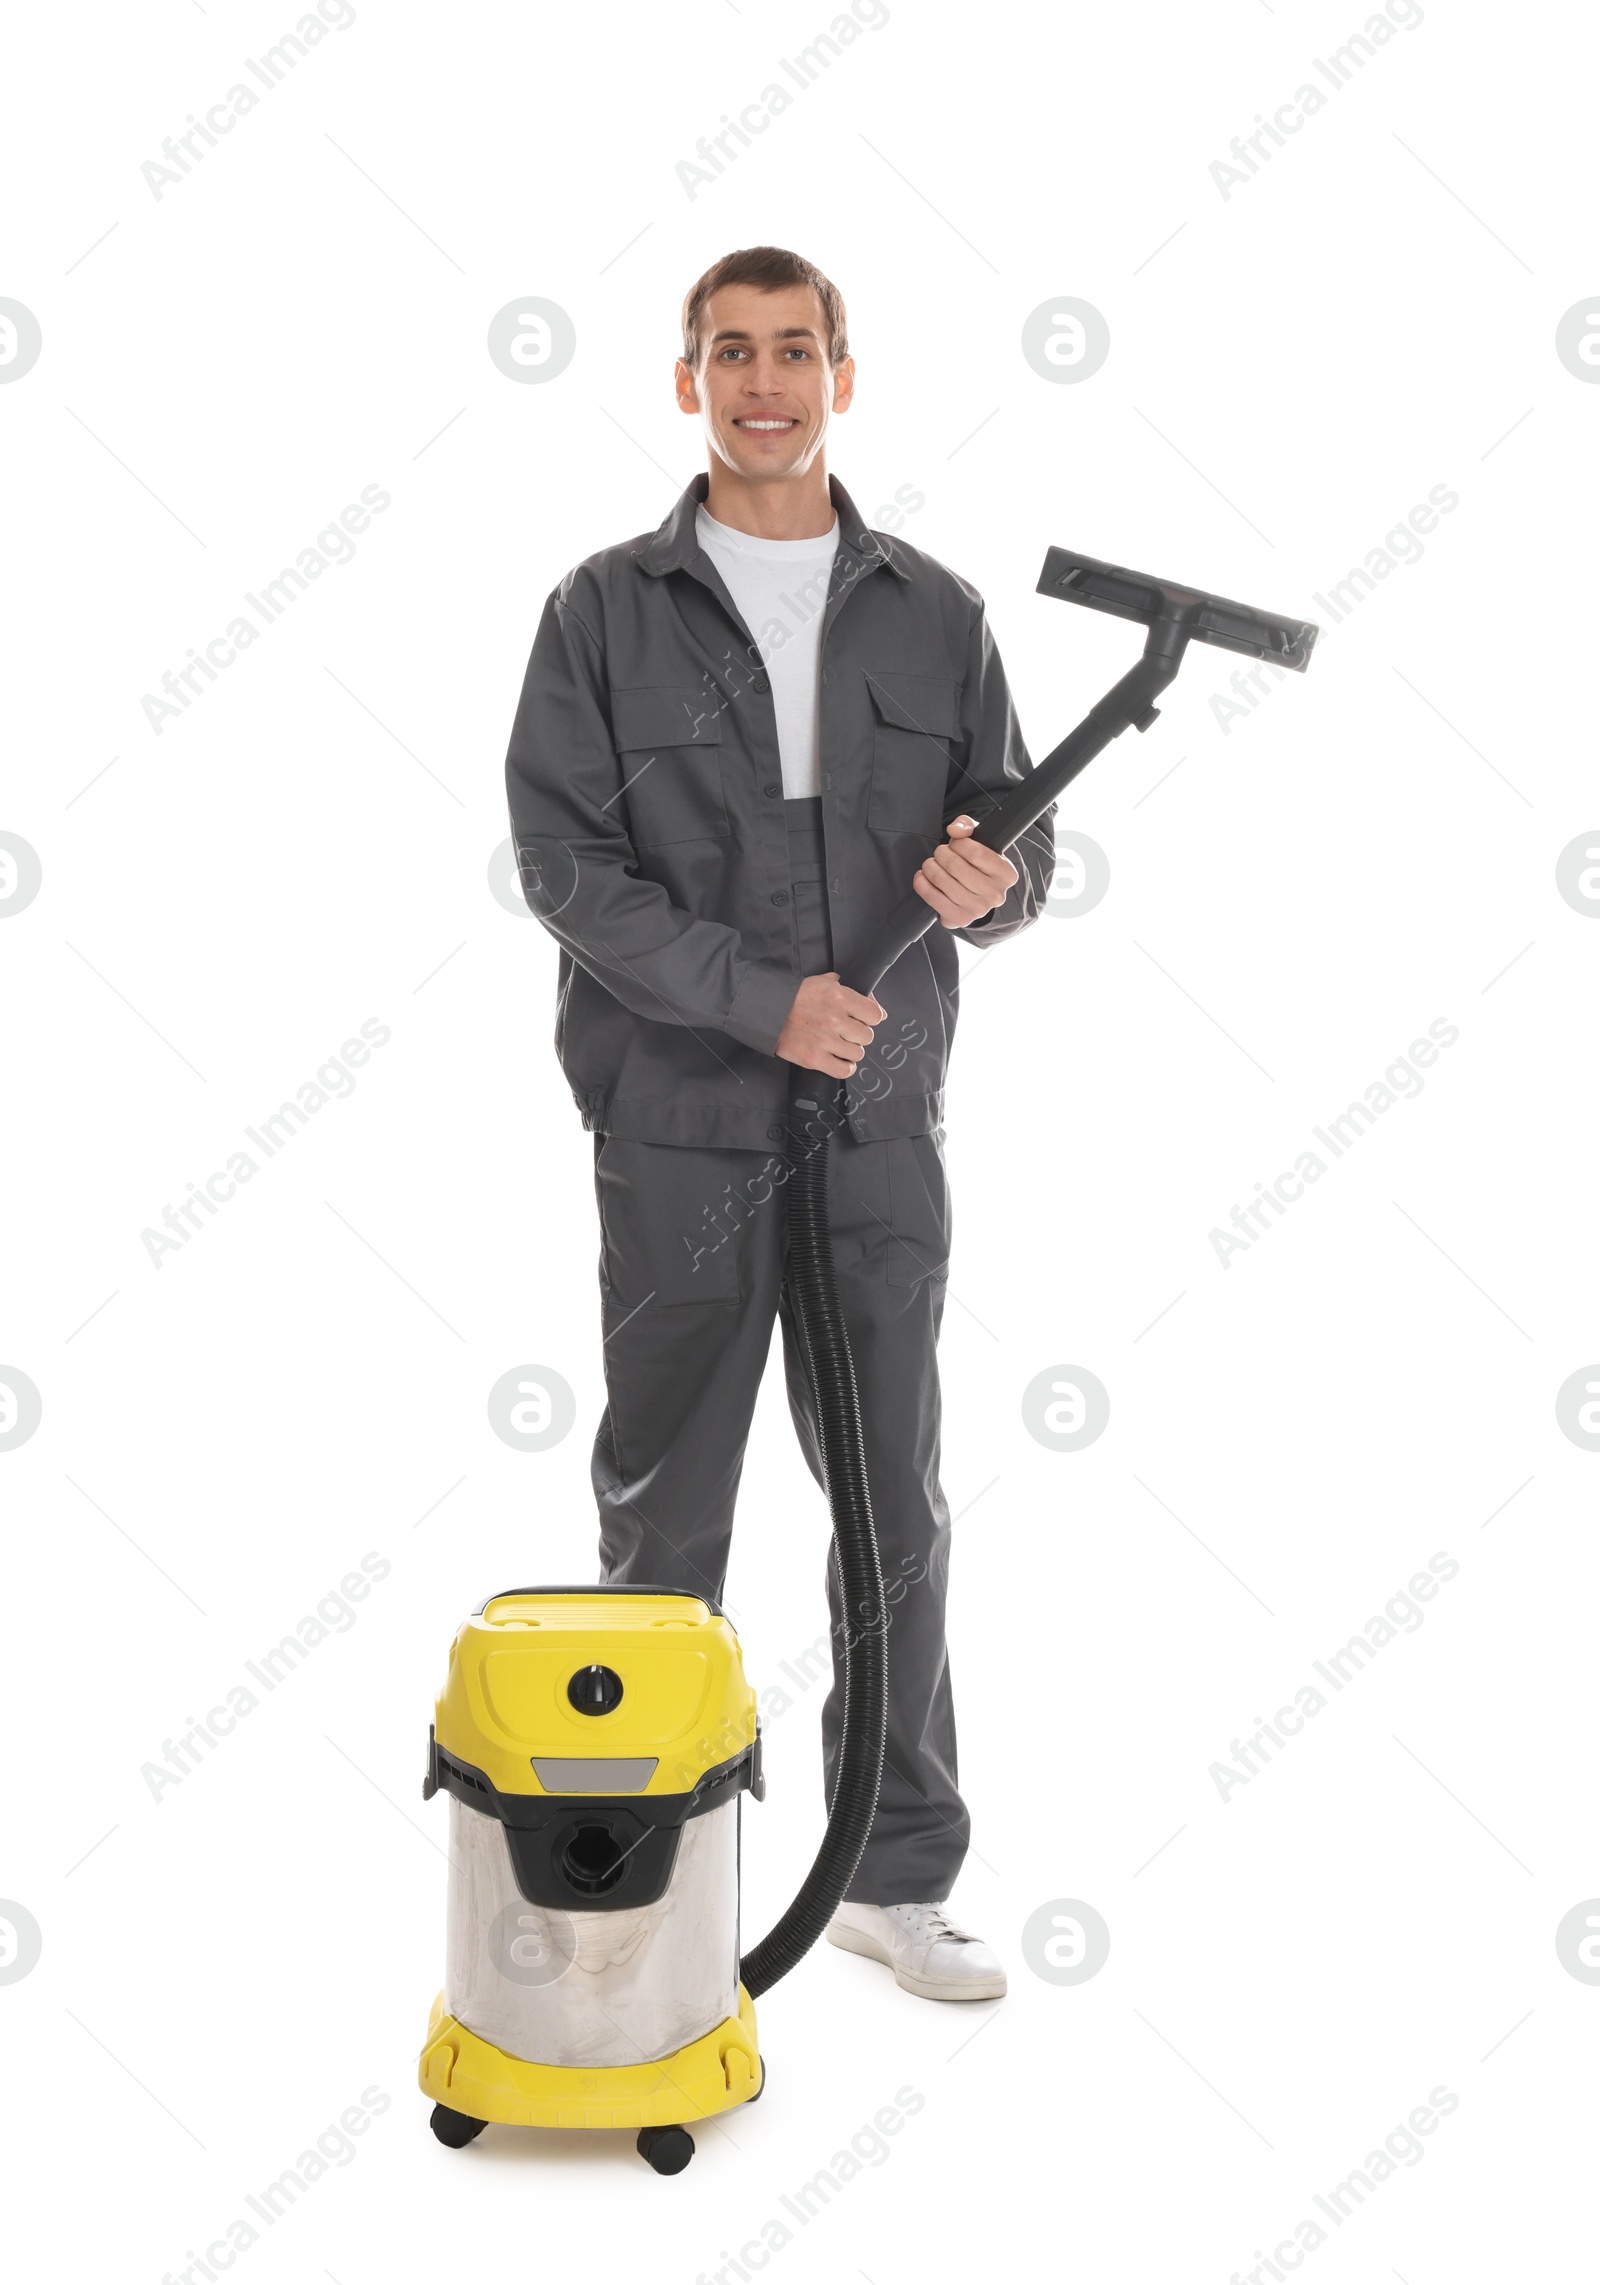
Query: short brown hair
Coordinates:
[765,266]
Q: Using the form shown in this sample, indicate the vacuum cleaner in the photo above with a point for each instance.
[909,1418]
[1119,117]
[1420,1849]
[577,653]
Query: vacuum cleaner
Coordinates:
[596,1743]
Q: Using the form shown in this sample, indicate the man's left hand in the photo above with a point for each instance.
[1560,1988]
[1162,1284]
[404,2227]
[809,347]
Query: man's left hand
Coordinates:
[963,880]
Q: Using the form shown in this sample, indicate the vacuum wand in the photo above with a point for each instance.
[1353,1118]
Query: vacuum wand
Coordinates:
[1175,617]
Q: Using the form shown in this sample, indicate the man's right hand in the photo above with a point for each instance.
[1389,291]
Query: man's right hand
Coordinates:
[829,1027]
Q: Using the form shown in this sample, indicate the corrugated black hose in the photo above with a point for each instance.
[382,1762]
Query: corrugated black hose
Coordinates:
[859,1769]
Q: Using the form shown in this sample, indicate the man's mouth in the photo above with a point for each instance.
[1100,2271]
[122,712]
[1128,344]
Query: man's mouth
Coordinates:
[764,426]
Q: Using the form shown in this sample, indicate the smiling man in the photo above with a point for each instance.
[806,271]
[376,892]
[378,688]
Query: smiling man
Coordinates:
[739,736]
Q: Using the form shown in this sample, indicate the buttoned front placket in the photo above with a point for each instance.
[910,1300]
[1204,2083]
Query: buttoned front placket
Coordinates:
[781,940]
[858,556]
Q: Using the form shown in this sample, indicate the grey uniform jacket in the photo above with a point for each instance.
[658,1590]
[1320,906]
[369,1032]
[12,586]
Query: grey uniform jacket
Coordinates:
[647,811]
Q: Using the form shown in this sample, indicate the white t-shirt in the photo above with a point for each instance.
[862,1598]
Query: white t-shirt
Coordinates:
[780,587]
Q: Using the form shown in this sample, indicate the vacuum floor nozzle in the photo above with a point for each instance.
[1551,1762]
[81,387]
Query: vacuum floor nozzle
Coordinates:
[1073,578]
[1174,617]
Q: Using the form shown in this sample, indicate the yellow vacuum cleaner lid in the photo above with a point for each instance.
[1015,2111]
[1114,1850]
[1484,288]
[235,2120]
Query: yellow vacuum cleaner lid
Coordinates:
[595,1690]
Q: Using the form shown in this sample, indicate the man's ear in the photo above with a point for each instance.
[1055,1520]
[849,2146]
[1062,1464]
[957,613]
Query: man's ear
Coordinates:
[683,383]
[844,384]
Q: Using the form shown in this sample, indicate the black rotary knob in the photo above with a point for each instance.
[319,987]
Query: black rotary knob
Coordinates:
[595,1690]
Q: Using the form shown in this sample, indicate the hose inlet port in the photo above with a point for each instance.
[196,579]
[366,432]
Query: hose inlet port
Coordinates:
[593,1860]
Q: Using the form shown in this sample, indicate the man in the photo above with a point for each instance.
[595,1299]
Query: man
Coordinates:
[739,737]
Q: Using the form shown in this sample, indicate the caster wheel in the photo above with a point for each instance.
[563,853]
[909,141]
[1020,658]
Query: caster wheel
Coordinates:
[667,2148]
[453,2127]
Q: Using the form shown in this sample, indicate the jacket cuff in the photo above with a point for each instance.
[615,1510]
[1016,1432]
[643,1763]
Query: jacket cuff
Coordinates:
[760,1008]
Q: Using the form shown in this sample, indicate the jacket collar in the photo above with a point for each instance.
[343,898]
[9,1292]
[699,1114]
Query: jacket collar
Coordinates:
[675,546]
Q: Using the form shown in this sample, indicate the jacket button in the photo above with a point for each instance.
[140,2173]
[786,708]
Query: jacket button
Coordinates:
[763,683]
[771,791]
[773,1133]
[780,896]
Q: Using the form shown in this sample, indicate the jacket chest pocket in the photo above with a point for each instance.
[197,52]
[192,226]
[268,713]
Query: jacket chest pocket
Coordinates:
[669,743]
[913,726]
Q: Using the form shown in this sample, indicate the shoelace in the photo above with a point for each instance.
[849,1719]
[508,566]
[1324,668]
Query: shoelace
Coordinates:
[929,1921]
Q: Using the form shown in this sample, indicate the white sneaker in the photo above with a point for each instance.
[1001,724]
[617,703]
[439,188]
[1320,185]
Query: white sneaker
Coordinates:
[929,1954]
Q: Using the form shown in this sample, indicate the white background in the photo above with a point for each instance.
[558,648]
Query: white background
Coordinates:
[1291,1437]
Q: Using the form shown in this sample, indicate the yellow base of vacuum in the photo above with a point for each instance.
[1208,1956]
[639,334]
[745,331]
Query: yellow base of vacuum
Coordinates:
[466,2074]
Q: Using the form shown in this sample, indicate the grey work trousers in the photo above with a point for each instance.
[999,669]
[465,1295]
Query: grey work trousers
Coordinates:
[693,1271]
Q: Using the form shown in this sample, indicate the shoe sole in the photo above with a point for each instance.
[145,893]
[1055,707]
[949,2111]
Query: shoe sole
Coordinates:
[851,1940]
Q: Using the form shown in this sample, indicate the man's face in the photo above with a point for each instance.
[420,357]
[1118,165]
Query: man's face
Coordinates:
[765,387]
